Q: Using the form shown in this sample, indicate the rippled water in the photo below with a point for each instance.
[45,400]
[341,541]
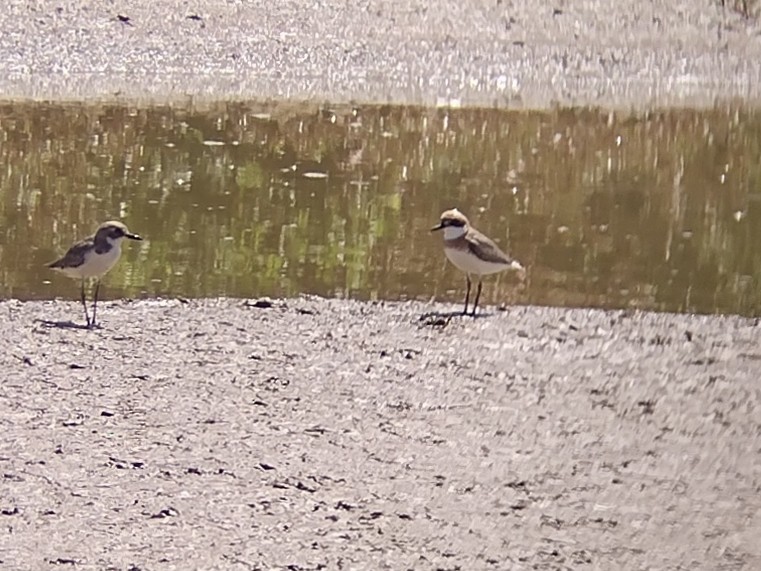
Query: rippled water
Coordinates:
[658,210]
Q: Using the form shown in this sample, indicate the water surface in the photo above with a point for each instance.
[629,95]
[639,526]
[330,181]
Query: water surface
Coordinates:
[656,211]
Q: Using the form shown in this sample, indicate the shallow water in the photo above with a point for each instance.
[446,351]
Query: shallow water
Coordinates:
[656,211]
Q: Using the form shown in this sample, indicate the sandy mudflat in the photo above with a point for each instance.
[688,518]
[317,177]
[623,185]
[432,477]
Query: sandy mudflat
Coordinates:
[517,53]
[327,434]
[322,434]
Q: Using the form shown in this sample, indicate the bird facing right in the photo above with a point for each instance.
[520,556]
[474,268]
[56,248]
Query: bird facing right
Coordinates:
[93,257]
[472,252]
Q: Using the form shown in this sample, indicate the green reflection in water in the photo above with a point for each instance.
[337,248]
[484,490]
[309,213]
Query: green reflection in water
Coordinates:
[659,210]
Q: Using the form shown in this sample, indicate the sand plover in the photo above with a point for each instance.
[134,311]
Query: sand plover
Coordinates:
[472,252]
[93,257]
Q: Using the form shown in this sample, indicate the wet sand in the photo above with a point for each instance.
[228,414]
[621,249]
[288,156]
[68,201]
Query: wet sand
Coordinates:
[328,434]
[517,53]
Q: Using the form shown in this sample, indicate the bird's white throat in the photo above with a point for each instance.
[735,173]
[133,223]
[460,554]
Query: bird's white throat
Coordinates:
[454,232]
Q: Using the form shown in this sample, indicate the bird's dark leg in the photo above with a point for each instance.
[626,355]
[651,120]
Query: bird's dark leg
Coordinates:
[84,303]
[95,302]
[478,296]
[467,295]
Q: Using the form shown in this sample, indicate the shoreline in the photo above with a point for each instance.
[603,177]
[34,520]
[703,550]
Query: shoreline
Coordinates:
[523,57]
[95,91]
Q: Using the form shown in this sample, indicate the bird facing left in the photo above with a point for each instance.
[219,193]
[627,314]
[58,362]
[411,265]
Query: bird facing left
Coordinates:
[93,257]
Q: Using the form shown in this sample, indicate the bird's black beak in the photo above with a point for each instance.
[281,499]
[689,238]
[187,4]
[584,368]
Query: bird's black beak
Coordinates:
[132,236]
[438,226]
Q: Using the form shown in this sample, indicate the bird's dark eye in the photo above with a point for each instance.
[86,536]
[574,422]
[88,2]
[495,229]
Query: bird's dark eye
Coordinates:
[117,233]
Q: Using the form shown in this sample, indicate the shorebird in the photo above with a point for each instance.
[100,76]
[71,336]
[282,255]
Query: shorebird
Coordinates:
[472,252]
[93,257]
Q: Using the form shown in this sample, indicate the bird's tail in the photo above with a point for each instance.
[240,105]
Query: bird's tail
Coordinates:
[516,265]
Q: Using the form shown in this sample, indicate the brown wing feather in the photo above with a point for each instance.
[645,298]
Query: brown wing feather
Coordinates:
[75,256]
[483,247]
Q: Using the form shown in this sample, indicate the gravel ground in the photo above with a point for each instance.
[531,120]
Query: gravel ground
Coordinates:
[328,434]
[497,52]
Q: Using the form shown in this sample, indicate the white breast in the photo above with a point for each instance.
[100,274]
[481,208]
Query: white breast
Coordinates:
[96,264]
[469,263]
